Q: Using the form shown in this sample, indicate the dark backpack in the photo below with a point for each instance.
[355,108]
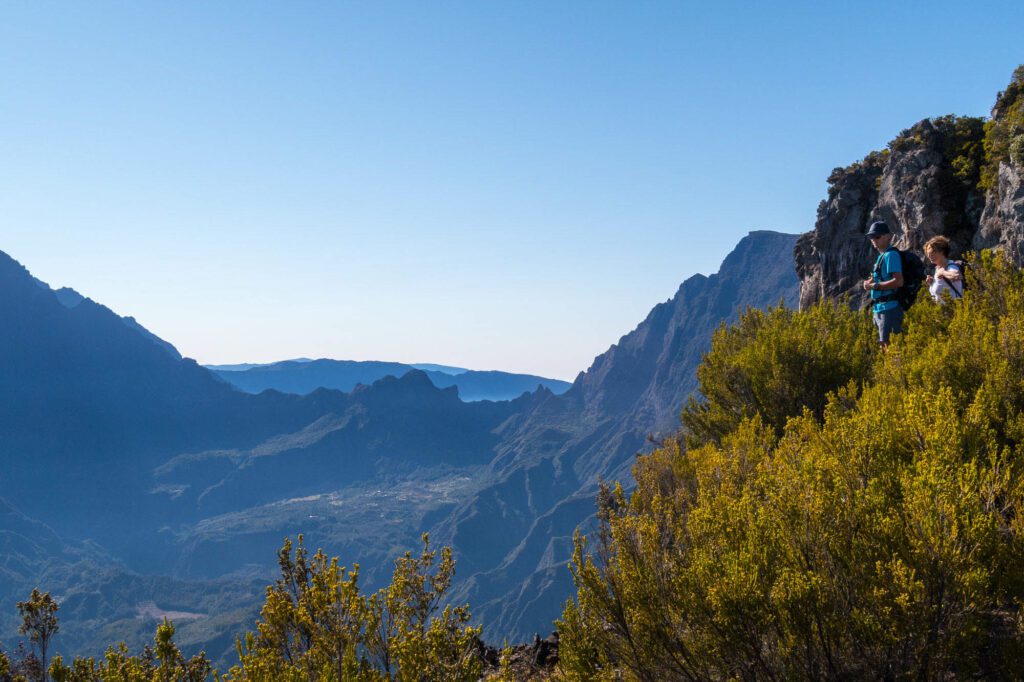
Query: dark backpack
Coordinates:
[913,278]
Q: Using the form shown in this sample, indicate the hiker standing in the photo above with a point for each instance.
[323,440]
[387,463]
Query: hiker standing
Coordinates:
[884,283]
[948,274]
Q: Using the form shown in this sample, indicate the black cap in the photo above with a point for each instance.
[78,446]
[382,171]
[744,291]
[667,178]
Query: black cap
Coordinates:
[878,228]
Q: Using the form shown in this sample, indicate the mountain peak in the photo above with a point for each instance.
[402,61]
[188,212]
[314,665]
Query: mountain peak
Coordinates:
[757,272]
[68,297]
[14,274]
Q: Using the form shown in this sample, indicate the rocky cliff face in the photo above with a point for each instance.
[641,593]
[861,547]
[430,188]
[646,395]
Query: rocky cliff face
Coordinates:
[1002,223]
[959,177]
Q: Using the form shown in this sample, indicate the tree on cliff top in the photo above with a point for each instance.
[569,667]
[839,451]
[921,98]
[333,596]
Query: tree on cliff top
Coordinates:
[39,622]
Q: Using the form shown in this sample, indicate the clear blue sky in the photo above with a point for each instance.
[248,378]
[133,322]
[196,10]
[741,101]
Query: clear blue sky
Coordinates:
[505,185]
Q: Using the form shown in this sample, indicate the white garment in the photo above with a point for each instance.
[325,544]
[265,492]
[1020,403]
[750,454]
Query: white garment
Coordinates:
[940,285]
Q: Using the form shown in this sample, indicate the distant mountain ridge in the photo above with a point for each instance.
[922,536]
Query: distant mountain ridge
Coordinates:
[92,401]
[305,376]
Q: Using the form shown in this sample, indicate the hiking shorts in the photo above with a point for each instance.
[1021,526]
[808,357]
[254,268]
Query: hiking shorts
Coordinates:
[889,322]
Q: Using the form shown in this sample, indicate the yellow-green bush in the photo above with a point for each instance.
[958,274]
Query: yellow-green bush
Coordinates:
[317,625]
[161,663]
[794,367]
[876,533]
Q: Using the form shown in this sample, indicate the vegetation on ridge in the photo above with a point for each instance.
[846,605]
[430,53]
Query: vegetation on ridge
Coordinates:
[1004,133]
[316,624]
[972,147]
[876,536]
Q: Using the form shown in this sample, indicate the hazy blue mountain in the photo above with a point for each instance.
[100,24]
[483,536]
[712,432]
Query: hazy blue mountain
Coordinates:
[493,385]
[303,377]
[106,435]
[444,369]
[249,365]
[395,426]
[101,601]
[300,378]
[90,404]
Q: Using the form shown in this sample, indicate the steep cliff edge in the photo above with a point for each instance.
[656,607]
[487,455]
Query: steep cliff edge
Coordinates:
[960,177]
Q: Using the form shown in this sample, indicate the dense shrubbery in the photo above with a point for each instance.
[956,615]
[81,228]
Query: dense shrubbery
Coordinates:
[871,166]
[876,533]
[810,355]
[963,146]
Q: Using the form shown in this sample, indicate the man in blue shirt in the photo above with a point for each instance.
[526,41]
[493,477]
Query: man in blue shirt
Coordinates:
[885,281]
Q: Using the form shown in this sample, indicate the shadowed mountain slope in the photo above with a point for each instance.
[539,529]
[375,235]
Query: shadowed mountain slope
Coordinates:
[101,601]
[551,458]
[91,402]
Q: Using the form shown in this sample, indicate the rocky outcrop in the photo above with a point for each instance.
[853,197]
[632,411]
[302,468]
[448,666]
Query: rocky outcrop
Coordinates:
[830,260]
[959,177]
[526,662]
[924,184]
[1002,223]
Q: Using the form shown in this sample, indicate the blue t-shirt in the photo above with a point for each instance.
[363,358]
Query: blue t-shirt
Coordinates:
[887,263]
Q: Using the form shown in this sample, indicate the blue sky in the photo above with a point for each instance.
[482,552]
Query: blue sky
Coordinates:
[493,185]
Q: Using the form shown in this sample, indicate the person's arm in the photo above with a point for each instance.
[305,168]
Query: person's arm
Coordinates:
[948,273]
[895,283]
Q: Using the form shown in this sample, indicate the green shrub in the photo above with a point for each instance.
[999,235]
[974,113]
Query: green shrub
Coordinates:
[776,364]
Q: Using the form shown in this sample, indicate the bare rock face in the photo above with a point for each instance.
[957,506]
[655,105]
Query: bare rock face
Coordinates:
[1002,223]
[830,261]
[923,193]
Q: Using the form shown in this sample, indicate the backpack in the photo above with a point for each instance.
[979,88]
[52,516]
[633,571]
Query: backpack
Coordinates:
[913,278]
